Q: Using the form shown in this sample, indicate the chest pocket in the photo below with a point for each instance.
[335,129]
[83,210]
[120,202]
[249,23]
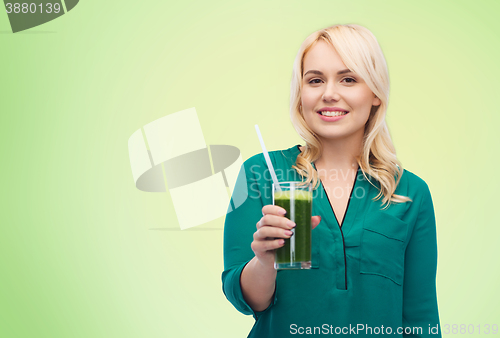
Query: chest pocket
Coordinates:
[383,246]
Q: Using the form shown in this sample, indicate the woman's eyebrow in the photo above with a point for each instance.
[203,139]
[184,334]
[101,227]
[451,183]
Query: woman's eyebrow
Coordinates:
[317,72]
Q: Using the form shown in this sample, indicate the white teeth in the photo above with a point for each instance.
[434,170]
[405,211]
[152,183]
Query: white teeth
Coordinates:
[333,113]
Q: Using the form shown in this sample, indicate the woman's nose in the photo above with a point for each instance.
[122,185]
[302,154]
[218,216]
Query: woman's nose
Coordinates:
[330,93]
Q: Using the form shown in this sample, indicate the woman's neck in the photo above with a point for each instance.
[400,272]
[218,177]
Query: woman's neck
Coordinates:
[340,154]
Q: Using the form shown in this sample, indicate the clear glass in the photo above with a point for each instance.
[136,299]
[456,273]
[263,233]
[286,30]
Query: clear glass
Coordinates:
[296,199]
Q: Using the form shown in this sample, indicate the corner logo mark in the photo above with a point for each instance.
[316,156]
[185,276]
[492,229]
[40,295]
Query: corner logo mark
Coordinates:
[172,151]
[25,15]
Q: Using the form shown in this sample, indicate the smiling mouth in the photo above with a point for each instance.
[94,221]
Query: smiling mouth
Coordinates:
[333,113]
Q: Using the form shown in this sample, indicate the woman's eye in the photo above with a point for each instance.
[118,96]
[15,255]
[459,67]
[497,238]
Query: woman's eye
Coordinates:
[350,78]
[315,81]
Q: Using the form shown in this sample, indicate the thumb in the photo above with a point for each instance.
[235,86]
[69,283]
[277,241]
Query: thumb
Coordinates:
[315,220]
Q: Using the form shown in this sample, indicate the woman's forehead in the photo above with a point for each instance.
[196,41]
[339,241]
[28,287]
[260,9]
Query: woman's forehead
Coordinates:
[323,57]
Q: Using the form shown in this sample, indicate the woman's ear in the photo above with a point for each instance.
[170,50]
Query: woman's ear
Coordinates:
[376,101]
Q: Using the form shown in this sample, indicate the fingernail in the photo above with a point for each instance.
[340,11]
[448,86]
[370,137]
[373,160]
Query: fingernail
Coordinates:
[288,233]
[290,224]
[281,241]
[283,211]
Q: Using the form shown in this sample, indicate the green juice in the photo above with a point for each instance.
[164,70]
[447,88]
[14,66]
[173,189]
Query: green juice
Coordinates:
[296,253]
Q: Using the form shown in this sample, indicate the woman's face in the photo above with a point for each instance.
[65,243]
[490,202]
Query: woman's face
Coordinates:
[328,84]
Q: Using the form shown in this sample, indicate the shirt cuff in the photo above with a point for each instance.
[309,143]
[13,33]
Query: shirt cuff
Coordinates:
[232,291]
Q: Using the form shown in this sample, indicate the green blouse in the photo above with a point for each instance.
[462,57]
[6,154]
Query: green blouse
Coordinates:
[375,274]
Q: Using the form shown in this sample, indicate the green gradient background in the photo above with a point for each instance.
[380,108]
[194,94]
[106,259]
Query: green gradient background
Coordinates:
[83,253]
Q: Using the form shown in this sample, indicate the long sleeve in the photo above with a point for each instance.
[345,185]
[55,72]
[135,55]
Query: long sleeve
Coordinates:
[239,227]
[420,308]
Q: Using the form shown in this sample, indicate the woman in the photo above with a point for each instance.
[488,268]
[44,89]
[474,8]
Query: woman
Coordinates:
[374,251]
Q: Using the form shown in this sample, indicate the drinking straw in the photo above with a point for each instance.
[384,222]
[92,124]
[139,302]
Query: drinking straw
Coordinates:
[268,160]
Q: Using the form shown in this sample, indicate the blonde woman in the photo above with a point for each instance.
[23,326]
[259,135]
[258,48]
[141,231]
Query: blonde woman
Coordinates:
[374,248]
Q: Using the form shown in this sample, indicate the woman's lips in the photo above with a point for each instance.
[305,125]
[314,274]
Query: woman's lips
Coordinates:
[331,118]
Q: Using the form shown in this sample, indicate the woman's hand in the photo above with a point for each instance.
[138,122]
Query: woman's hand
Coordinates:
[272,228]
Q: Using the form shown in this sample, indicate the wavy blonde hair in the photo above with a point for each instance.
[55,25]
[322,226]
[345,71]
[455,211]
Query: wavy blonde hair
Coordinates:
[359,50]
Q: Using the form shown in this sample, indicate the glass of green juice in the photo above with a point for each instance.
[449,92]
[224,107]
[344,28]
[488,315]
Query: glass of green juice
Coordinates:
[296,199]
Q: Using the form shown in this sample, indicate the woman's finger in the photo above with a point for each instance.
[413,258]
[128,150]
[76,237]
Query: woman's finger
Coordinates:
[261,246]
[315,220]
[276,221]
[265,233]
[273,209]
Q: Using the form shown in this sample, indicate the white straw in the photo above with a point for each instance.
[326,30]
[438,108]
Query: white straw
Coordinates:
[268,160]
